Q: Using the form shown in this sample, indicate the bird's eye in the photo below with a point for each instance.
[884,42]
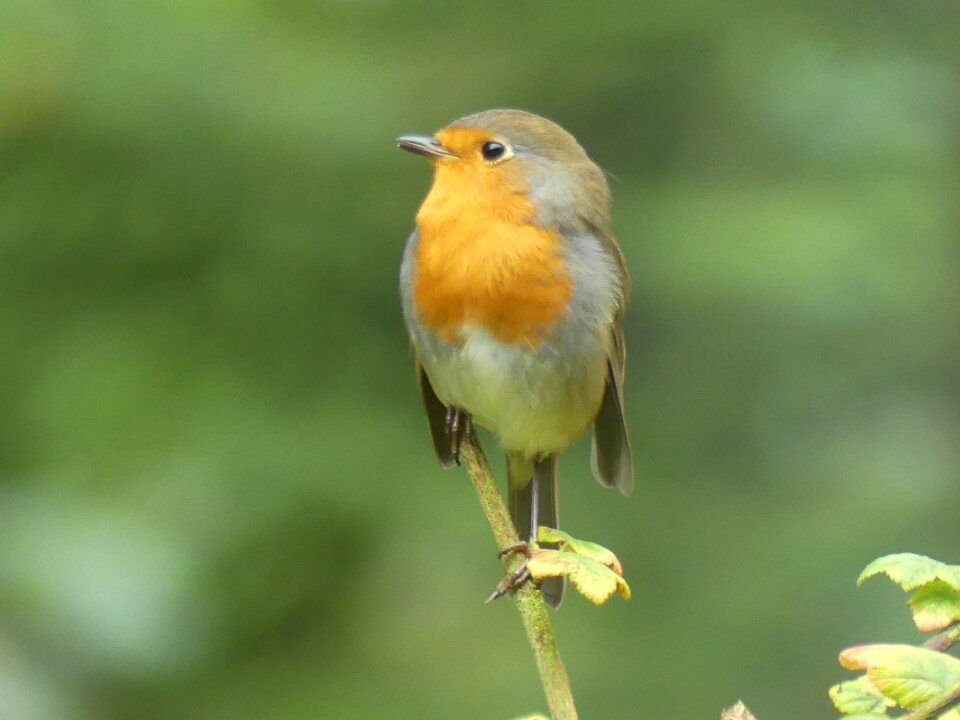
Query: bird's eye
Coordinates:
[492,150]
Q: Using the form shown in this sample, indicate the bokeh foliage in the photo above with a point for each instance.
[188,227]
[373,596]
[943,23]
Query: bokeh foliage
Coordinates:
[217,495]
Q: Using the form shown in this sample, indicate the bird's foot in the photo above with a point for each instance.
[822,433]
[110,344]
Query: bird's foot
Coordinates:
[514,579]
[459,426]
[521,547]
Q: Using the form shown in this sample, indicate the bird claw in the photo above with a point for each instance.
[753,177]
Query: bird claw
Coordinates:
[459,426]
[521,547]
[512,581]
[516,578]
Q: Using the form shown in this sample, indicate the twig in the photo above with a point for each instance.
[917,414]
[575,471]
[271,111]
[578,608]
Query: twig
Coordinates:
[529,601]
[943,640]
[936,705]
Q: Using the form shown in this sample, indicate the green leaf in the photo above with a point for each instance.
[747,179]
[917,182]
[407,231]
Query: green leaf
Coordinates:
[860,696]
[935,606]
[593,570]
[592,579]
[909,675]
[910,571]
[568,543]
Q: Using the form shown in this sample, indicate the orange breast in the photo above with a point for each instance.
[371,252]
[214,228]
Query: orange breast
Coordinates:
[480,260]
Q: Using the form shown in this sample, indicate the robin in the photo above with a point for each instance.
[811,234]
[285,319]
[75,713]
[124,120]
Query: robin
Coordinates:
[513,291]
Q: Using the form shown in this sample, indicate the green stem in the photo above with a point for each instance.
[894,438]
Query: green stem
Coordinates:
[937,705]
[529,601]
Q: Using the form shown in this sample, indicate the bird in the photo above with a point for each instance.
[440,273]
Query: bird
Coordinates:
[513,291]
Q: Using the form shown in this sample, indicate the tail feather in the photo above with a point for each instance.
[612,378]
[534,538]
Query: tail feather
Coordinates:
[522,474]
[610,457]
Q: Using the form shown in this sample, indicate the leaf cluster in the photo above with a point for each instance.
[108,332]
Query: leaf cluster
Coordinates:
[922,680]
[592,569]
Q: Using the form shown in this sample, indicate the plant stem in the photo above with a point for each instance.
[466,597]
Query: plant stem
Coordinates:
[937,705]
[943,640]
[529,601]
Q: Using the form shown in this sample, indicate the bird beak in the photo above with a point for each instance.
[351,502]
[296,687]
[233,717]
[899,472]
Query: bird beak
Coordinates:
[423,145]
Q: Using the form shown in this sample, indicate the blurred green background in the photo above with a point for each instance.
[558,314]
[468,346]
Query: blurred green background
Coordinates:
[217,493]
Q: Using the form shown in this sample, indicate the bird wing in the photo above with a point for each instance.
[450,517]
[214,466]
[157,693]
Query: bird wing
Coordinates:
[436,419]
[611,459]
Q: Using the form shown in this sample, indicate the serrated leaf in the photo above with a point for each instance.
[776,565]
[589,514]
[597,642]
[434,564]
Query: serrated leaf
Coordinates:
[592,579]
[596,582]
[935,606]
[582,547]
[544,563]
[909,675]
[859,696]
[910,571]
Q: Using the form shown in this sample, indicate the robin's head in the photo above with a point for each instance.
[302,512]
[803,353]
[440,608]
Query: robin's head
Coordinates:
[504,153]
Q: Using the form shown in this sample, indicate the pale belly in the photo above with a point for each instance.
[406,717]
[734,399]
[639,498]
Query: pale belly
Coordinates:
[534,400]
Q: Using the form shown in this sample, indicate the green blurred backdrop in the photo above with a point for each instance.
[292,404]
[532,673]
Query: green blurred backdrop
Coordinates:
[217,494]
